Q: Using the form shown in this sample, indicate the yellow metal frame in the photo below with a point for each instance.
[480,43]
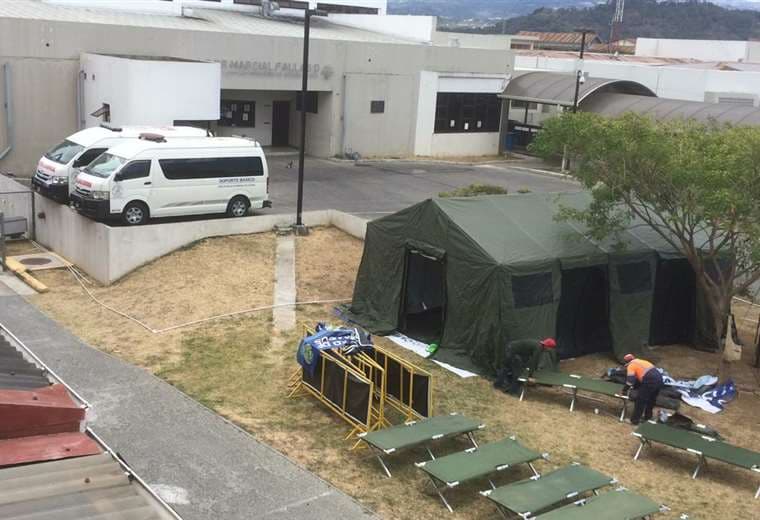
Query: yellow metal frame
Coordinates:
[367,369]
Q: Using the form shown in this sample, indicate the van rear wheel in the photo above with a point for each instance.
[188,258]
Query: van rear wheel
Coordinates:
[238,206]
[135,214]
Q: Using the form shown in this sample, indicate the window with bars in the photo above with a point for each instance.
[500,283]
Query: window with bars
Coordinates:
[465,113]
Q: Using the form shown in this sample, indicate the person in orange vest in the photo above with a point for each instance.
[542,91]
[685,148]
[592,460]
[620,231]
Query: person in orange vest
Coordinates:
[644,377]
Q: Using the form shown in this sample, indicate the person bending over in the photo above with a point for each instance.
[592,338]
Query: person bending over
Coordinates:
[643,376]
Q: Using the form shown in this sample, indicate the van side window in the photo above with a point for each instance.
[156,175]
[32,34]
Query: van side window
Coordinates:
[135,170]
[88,156]
[211,168]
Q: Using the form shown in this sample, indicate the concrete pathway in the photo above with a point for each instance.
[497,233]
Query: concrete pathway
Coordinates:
[285,284]
[217,470]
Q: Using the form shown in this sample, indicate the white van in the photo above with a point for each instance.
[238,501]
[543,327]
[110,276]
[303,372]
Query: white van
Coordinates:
[57,169]
[155,177]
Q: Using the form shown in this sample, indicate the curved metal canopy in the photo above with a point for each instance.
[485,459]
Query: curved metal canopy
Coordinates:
[554,88]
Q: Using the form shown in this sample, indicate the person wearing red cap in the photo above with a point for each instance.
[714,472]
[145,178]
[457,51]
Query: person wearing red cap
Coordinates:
[523,357]
[647,380]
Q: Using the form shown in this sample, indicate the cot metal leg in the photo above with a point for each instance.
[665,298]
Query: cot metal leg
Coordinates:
[699,467]
[472,439]
[641,447]
[572,402]
[382,463]
[522,392]
[432,457]
[440,494]
[623,410]
[493,486]
[502,513]
[533,469]
[757,495]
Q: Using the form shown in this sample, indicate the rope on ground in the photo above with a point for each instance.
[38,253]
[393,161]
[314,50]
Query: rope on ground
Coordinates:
[150,329]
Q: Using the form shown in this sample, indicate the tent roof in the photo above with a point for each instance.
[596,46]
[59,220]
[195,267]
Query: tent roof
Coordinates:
[521,229]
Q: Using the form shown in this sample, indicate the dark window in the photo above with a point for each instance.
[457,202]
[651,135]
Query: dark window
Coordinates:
[210,168]
[532,290]
[88,156]
[135,170]
[312,102]
[634,277]
[240,114]
[377,107]
[465,113]
[517,104]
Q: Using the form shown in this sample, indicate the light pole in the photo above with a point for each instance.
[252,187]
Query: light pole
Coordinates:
[308,13]
[579,79]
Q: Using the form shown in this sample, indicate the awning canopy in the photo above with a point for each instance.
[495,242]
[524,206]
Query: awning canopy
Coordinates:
[553,88]
[613,105]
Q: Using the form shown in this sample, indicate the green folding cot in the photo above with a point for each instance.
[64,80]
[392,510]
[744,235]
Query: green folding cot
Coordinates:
[475,463]
[419,433]
[703,446]
[575,382]
[539,493]
[614,505]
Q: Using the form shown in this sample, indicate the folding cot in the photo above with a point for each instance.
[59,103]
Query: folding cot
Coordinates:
[453,470]
[576,382]
[614,505]
[528,497]
[703,446]
[416,433]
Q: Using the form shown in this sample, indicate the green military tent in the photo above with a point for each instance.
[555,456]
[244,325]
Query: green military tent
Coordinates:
[476,273]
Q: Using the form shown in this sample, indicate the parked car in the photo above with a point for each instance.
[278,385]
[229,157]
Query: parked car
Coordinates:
[156,177]
[57,169]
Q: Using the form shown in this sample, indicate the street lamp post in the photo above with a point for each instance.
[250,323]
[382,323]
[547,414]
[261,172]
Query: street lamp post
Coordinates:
[579,72]
[308,13]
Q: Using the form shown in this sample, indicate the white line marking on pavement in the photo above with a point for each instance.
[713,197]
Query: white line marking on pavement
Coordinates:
[296,504]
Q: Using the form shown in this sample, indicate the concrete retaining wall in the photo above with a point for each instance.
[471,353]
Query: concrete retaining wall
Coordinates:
[108,253]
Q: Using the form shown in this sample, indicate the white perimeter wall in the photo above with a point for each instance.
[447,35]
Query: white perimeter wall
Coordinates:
[156,93]
[109,253]
[668,82]
[426,141]
[705,50]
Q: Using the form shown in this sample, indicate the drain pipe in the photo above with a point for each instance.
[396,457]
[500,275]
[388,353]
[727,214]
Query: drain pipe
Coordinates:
[80,99]
[8,110]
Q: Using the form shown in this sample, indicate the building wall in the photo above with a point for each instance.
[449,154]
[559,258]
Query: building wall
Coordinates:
[464,145]
[4,143]
[388,134]
[262,131]
[146,92]
[705,50]
[45,56]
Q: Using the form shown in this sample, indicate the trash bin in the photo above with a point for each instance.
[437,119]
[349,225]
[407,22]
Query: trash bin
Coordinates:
[509,141]
[15,227]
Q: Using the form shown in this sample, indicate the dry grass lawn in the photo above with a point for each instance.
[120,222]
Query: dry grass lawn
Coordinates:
[234,367]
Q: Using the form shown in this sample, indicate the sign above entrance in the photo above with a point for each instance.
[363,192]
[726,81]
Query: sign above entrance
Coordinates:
[274,68]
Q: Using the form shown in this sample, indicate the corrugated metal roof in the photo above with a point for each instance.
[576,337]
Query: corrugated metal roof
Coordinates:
[74,489]
[612,105]
[16,372]
[569,38]
[602,56]
[38,412]
[554,88]
[43,448]
[206,20]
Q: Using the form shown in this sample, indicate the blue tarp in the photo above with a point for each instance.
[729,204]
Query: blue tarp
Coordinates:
[348,341]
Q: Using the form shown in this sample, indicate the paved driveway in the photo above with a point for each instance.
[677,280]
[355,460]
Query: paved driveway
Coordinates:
[369,188]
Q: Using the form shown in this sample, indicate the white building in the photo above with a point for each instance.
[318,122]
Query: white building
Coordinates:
[379,85]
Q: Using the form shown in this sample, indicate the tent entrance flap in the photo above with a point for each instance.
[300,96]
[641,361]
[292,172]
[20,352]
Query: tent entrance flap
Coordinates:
[674,309]
[583,316]
[423,309]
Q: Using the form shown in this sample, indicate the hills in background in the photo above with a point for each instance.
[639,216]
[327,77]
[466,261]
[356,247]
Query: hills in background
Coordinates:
[643,18]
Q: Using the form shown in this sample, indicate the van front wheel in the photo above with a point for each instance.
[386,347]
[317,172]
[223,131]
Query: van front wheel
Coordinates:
[238,206]
[135,214]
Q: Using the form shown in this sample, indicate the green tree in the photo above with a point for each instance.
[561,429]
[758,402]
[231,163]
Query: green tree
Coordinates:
[696,185]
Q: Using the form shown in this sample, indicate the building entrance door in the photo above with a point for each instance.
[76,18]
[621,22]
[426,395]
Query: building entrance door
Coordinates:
[281,123]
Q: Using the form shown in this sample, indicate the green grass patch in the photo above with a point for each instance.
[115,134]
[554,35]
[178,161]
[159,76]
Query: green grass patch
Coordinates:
[474,190]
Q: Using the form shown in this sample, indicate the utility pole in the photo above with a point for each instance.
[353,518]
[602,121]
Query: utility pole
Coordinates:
[308,13]
[579,73]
